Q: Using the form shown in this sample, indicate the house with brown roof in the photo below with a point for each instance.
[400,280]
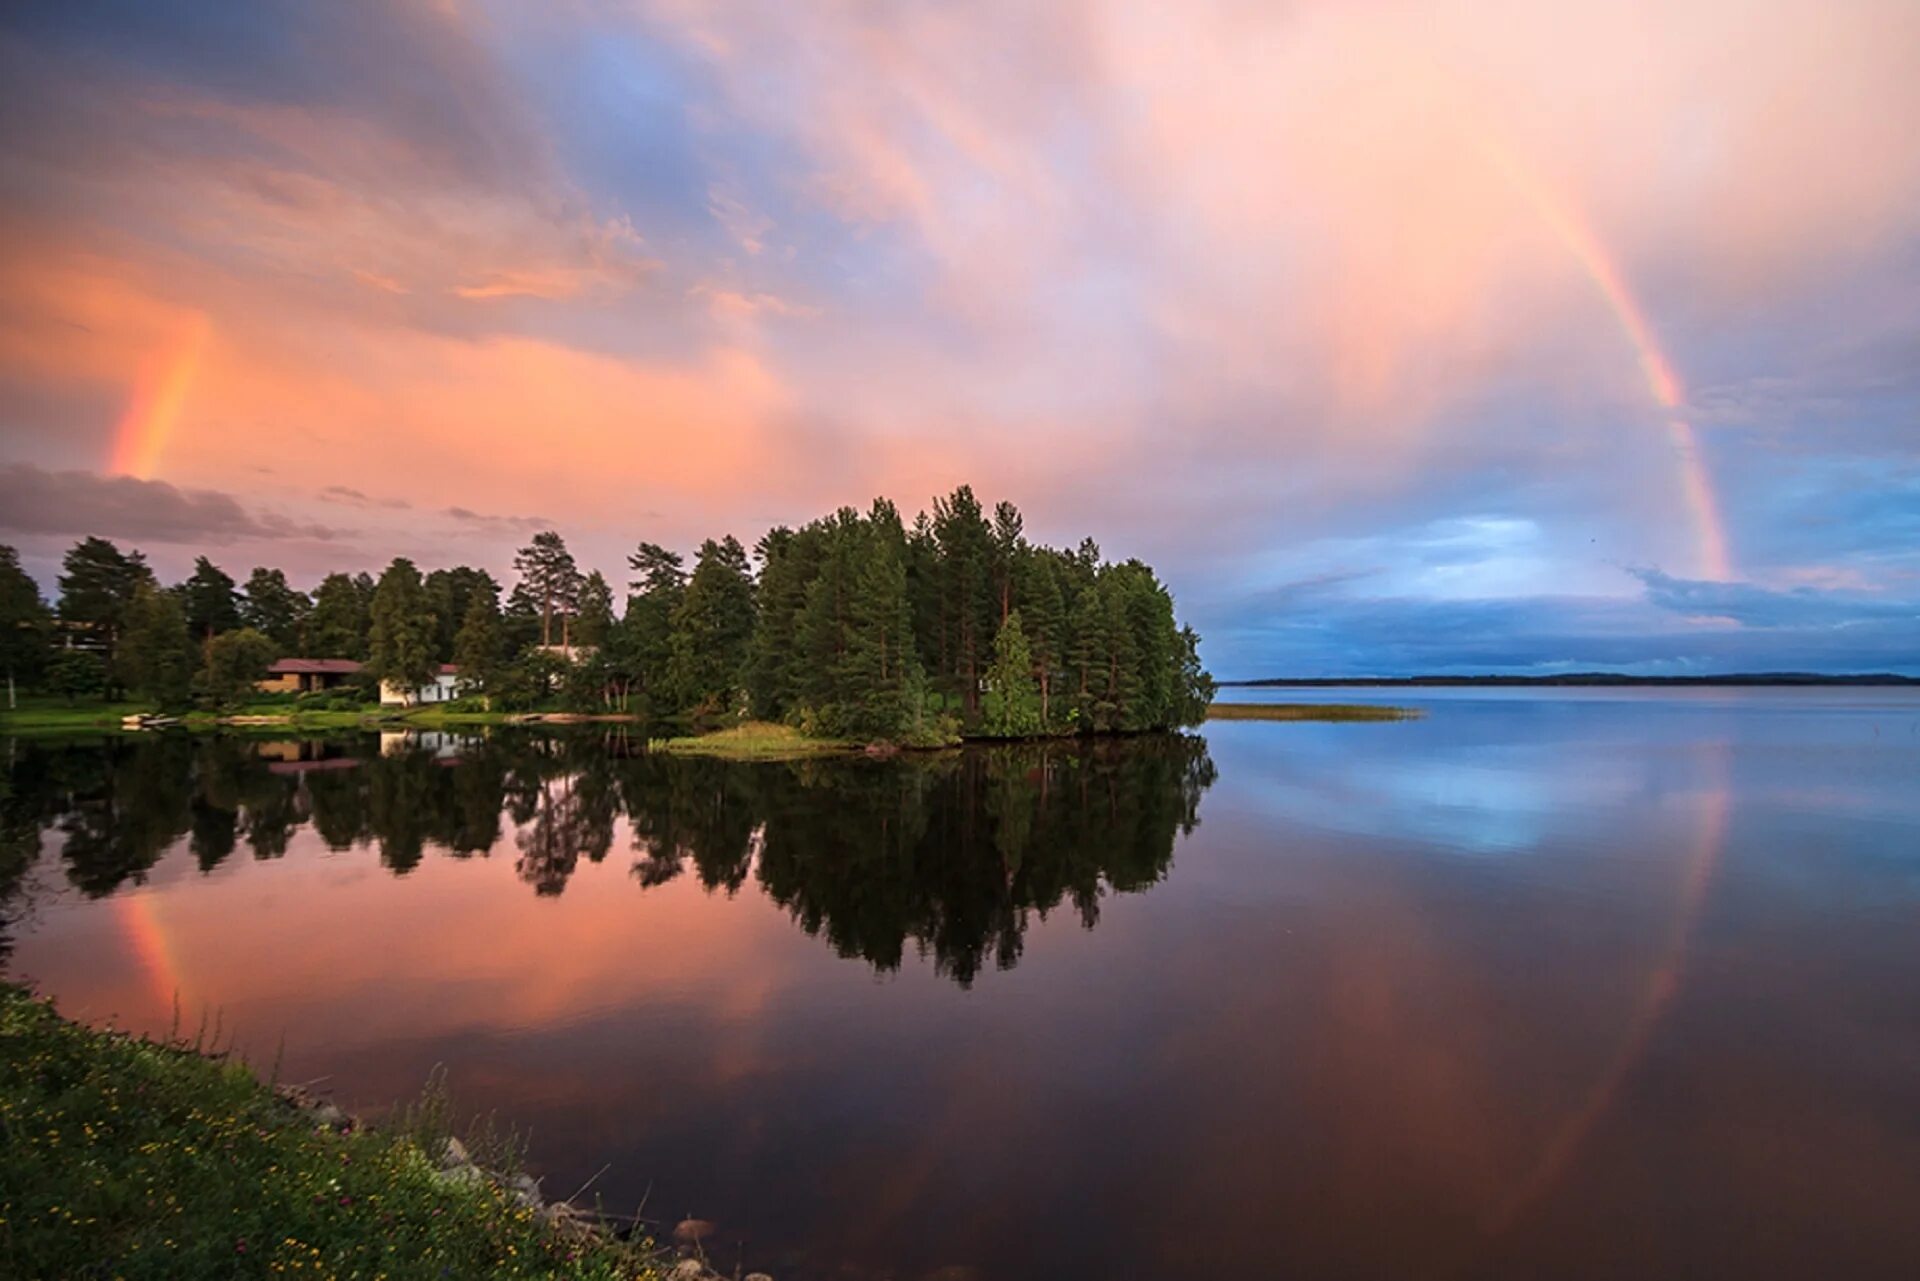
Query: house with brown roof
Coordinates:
[304,675]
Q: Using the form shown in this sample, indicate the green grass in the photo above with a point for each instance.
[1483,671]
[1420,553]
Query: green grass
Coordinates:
[53,716]
[1310,712]
[755,740]
[120,1157]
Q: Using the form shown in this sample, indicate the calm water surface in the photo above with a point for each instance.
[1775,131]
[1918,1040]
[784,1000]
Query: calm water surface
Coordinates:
[1567,983]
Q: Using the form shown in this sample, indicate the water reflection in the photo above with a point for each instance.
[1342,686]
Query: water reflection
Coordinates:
[954,853]
[1455,997]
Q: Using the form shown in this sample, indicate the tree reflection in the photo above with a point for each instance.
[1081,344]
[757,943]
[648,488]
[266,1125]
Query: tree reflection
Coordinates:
[954,854]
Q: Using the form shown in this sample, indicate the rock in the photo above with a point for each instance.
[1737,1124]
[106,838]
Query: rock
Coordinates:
[758,1276]
[688,1270]
[461,1175]
[328,1115]
[692,1231]
[454,1153]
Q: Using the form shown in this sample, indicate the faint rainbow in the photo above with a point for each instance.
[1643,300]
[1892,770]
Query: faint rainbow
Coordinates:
[1702,866]
[147,939]
[1573,232]
[153,410]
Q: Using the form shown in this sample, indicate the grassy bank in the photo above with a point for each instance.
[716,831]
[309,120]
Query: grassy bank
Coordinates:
[1310,712]
[51,716]
[754,741]
[120,1157]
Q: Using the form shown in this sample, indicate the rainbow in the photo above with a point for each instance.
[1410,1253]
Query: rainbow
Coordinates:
[1579,240]
[147,939]
[1697,877]
[154,407]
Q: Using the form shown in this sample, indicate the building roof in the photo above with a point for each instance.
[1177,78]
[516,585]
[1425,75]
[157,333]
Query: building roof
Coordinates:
[314,667]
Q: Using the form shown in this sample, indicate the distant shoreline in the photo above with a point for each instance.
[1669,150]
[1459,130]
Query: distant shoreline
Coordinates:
[1571,678]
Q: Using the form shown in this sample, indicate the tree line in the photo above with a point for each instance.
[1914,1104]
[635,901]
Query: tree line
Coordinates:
[856,625]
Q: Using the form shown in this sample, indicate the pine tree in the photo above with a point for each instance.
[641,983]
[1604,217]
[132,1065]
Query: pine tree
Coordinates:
[1087,658]
[476,647]
[966,599]
[97,585]
[24,624]
[879,669]
[596,612]
[271,607]
[1012,704]
[1008,547]
[210,600]
[712,628]
[551,578]
[449,593]
[400,644]
[1044,614]
[338,625]
[646,641]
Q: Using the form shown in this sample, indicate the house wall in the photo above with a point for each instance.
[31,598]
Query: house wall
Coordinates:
[287,684]
[442,689]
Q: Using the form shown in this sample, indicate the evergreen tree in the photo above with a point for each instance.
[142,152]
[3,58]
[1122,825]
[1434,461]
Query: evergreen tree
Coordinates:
[97,585]
[712,628]
[155,657]
[449,592]
[1012,703]
[645,641]
[75,674]
[476,648]
[338,625]
[1008,546]
[880,671]
[596,611]
[24,624]
[548,572]
[1193,687]
[400,645]
[1087,660]
[966,603]
[788,563]
[236,661]
[271,607]
[210,600]
[1044,616]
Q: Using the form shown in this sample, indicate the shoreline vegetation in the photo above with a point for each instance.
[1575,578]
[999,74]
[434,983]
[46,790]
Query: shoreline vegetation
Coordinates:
[858,627]
[1311,712]
[139,1158]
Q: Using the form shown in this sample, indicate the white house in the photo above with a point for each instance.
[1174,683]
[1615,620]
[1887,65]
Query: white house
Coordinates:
[443,688]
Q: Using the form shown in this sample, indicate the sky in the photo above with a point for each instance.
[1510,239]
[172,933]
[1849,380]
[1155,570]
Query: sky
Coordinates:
[1398,337]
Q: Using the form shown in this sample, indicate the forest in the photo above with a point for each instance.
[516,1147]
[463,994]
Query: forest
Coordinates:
[857,626]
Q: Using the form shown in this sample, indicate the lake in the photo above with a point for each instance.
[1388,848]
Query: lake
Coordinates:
[1548,983]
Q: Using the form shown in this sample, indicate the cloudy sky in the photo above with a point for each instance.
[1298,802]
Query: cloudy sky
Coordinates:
[1398,336]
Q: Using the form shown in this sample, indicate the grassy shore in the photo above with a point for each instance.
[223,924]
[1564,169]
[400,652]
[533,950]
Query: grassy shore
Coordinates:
[50,716]
[120,1157]
[754,741]
[1310,712]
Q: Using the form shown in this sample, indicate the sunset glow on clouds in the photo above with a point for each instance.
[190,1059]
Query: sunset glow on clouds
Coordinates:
[1400,336]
